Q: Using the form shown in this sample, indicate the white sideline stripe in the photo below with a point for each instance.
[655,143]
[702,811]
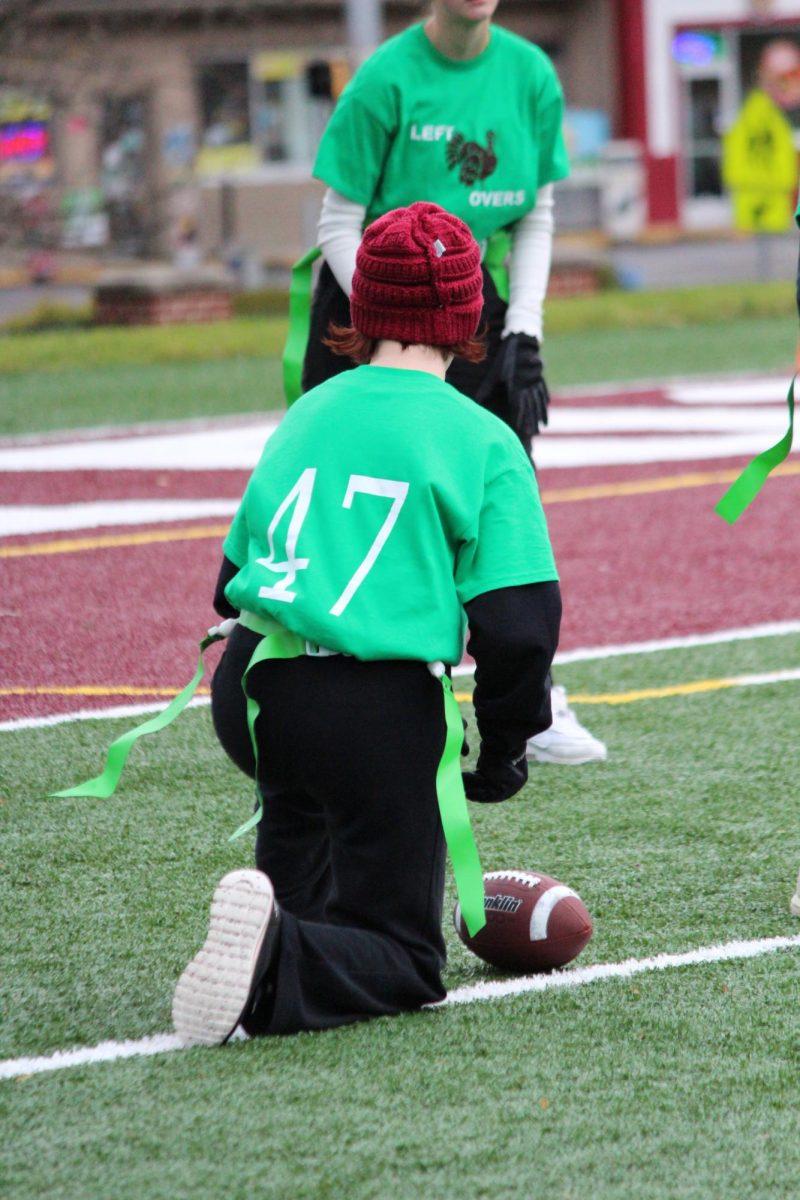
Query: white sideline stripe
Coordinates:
[729,435]
[161,1043]
[12,1068]
[590,653]
[722,952]
[140,710]
[786,676]
[96,714]
[557,452]
[232,448]
[640,418]
[768,629]
[772,629]
[18,519]
[735,391]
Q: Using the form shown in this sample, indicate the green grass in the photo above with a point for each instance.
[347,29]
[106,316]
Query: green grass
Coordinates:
[253,333]
[142,345]
[96,396]
[89,379]
[712,347]
[679,1084]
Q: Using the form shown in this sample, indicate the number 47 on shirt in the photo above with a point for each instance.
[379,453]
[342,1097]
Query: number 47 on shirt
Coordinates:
[300,496]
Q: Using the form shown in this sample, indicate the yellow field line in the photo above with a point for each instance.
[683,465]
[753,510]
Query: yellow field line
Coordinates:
[639,487]
[113,540]
[663,693]
[632,697]
[600,491]
[95,690]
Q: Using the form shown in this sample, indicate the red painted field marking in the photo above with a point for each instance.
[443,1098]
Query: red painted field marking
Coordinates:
[124,623]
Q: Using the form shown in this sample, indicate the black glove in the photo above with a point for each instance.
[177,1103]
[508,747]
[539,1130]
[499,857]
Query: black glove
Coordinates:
[521,371]
[495,777]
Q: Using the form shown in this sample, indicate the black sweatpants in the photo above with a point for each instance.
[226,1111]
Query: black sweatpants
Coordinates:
[331,304]
[351,835]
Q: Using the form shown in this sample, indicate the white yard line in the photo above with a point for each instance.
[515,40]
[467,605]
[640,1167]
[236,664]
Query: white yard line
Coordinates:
[577,436]
[96,714]
[236,447]
[587,654]
[722,952]
[608,451]
[590,653]
[732,391]
[769,629]
[25,519]
[14,1068]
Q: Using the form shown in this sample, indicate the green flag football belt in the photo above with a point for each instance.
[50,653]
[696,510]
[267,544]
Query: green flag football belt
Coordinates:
[276,642]
[299,323]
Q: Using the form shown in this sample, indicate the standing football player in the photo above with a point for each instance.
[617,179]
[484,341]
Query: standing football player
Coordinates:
[462,112]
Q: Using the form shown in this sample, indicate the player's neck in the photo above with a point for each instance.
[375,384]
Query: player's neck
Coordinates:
[413,358]
[457,39]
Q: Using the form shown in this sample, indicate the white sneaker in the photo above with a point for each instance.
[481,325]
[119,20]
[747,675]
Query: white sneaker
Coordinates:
[215,991]
[566,741]
[794,907]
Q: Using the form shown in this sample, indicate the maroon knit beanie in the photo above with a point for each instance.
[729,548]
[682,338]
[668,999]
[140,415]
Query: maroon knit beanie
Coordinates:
[418,278]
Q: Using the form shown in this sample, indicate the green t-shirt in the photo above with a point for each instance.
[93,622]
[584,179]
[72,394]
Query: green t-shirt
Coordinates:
[478,137]
[383,503]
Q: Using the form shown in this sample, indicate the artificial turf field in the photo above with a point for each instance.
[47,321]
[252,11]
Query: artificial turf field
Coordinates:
[675,1083]
[671,1083]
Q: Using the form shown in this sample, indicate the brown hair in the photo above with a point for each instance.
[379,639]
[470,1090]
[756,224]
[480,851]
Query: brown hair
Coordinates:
[347,341]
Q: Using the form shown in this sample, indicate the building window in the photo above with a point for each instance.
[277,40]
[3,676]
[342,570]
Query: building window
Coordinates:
[705,147]
[268,111]
[225,104]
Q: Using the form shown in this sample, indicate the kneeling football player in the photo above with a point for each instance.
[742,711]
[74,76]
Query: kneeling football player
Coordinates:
[387,512]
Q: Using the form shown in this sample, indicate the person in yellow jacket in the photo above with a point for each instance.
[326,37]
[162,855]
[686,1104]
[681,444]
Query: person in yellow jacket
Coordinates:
[795,901]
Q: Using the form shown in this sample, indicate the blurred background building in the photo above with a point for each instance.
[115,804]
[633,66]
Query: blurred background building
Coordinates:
[184,129]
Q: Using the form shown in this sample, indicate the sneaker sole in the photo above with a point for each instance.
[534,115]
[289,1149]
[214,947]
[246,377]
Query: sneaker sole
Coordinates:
[577,760]
[212,993]
[794,907]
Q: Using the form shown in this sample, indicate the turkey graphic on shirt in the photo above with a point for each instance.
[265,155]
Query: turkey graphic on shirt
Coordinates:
[473,160]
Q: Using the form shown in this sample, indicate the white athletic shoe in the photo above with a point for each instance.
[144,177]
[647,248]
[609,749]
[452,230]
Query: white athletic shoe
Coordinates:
[794,907]
[215,991]
[566,741]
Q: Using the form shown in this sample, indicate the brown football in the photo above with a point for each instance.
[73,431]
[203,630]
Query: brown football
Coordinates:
[533,923]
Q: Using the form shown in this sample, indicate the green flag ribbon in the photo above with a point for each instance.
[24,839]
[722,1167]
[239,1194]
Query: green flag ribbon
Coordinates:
[455,818]
[497,251]
[278,642]
[744,490]
[299,322]
[105,784]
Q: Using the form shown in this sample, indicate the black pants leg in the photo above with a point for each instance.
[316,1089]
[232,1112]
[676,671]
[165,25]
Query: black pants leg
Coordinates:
[348,753]
[329,303]
[302,881]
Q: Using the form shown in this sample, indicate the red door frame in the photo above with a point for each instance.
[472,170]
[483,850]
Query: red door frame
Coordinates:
[661,171]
